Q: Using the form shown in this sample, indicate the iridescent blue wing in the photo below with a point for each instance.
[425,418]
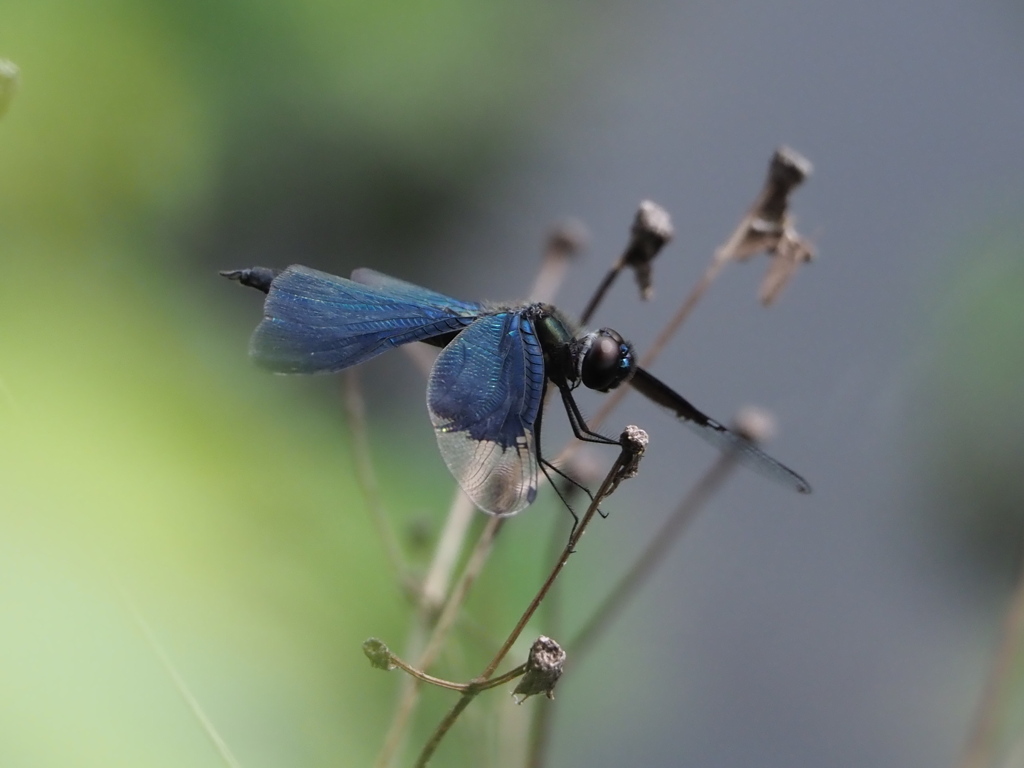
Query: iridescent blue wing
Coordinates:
[314,322]
[400,289]
[484,395]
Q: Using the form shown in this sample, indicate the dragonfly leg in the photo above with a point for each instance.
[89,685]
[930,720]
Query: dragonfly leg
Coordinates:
[579,424]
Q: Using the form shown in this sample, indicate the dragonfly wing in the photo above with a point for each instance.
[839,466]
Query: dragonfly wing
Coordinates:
[314,322]
[484,396]
[402,289]
[717,434]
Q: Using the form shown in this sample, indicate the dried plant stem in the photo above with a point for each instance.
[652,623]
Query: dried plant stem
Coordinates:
[411,691]
[981,742]
[602,291]
[366,477]
[477,560]
[449,545]
[408,697]
[541,718]
[442,729]
[643,567]
[624,466]
[670,330]
[564,242]
[682,313]
[423,677]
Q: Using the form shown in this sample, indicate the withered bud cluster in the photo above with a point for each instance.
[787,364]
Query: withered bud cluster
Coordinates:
[651,231]
[768,226]
[543,668]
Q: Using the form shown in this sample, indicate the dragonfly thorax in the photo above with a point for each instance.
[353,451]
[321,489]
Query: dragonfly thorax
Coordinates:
[600,360]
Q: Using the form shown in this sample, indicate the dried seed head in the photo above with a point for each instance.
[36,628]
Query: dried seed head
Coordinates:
[768,226]
[543,668]
[378,654]
[787,170]
[634,442]
[651,230]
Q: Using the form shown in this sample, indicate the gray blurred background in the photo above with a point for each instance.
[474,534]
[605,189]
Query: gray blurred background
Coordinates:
[150,145]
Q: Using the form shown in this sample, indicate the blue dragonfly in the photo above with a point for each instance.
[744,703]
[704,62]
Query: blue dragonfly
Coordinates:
[486,388]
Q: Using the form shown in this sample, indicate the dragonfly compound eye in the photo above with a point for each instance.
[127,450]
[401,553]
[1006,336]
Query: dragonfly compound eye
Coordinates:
[607,361]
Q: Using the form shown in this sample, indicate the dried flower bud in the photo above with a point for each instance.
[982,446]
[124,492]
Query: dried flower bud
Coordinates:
[634,442]
[652,229]
[768,226]
[378,654]
[543,668]
[788,170]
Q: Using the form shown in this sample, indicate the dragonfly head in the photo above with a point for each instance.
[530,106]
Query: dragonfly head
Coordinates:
[605,360]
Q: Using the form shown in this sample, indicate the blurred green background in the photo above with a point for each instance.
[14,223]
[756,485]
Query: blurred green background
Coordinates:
[149,145]
[144,460]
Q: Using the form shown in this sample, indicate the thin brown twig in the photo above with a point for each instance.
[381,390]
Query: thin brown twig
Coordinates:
[765,226]
[651,230]
[423,677]
[633,442]
[565,241]
[408,697]
[541,718]
[449,545]
[477,560]
[470,691]
[624,466]
[643,567]
[752,424]
[410,694]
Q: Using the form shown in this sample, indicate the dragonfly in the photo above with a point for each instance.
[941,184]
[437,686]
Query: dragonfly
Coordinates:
[486,389]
